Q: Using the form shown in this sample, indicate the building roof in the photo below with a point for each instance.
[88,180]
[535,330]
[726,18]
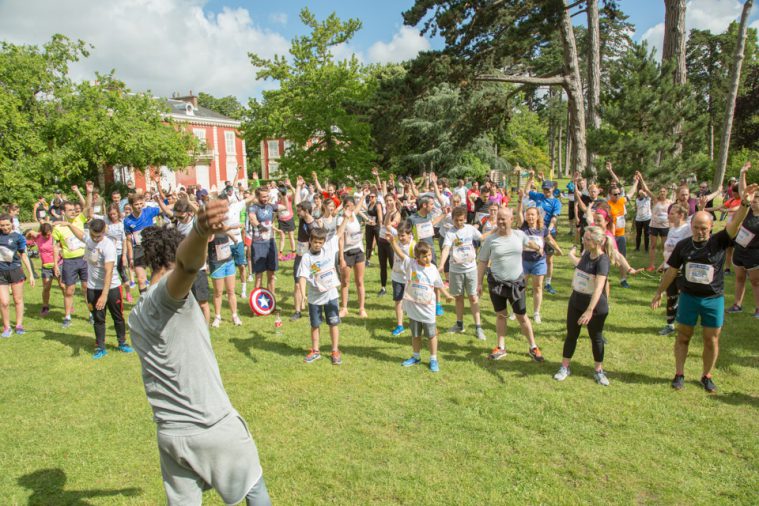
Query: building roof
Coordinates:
[185,111]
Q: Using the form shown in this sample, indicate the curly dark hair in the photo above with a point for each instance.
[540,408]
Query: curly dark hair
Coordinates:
[160,245]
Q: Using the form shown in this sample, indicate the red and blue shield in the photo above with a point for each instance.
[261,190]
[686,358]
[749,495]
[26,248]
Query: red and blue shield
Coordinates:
[262,302]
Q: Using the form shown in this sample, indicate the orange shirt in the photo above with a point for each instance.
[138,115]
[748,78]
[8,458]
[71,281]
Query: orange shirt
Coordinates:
[618,215]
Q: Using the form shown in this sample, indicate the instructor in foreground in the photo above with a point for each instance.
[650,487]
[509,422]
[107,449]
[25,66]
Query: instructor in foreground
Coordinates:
[203,442]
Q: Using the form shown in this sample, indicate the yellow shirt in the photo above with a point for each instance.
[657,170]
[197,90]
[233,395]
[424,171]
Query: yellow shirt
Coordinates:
[71,246]
[618,215]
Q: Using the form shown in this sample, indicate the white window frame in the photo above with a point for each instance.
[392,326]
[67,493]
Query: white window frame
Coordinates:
[273,153]
[273,169]
[229,143]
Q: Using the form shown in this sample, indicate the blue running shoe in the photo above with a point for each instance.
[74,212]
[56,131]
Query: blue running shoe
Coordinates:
[6,333]
[411,361]
[20,331]
[125,348]
[66,323]
[439,309]
[400,329]
[624,284]
[548,288]
[434,367]
[99,353]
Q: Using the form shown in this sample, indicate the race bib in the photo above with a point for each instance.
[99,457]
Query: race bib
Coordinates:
[701,274]
[620,223]
[537,239]
[326,280]
[43,214]
[419,293]
[98,209]
[744,237]
[480,216]
[425,230]
[137,237]
[463,254]
[73,243]
[301,248]
[582,282]
[6,254]
[223,251]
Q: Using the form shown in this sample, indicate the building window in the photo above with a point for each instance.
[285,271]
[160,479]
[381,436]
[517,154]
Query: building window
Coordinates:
[200,134]
[273,170]
[273,149]
[229,141]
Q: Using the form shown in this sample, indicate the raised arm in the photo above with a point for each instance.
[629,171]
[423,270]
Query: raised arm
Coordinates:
[746,198]
[644,185]
[613,175]
[164,208]
[633,190]
[82,201]
[742,178]
[520,206]
[316,182]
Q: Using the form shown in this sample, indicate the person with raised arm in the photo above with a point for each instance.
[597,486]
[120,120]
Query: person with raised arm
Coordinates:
[746,254]
[12,257]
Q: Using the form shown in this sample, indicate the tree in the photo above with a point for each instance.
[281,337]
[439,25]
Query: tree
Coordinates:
[673,50]
[594,70]
[316,104]
[228,106]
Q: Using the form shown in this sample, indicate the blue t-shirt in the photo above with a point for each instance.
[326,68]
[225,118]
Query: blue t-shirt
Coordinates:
[11,245]
[551,206]
[133,226]
[265,217]
[537,235]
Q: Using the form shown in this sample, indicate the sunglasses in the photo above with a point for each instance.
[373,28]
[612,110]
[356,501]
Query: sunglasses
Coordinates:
[616,194]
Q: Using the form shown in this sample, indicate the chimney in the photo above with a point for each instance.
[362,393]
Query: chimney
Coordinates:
[190,99]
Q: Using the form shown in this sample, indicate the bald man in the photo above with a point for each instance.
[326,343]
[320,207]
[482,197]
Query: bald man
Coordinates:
[701,259]
[502,251]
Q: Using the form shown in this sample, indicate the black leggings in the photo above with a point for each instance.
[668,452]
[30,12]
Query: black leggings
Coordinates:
[595,331]
[114,307]
[641,227]
[372,236]
[673,295]
[385,254]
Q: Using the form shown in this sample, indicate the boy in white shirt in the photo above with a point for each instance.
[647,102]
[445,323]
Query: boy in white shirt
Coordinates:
[317,272]
[459,243]
[422,278]
[397,276]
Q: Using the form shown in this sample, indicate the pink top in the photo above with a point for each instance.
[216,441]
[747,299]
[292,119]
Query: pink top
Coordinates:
[45,247]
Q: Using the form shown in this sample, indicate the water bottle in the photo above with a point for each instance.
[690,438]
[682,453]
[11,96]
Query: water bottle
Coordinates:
[278,324]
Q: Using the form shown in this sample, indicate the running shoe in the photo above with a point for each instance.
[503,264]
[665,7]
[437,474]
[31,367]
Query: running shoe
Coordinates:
[479,334]
[216,322]
[513,317]
[411,361]
[125,348]
[678,382]
[497,353]
[236,320]
[536,318]
[456,329]
[244,291]
[45,311]
[99,353]
[709,385]
[295,317]
[562,373]
[92,319]
[368,263]
[382,292]
[548,288]
[400,329]
[624,284]
[650,268]
[337,358]
[20,330]
[728,272]
[735,308]
[250,277]
[434,367]
[66,323]
[667,330]
[312,356]
[439,311]
[6,333]
[536,355]
[756,313]
[601,378]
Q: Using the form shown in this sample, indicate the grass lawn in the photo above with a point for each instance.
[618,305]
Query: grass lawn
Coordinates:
[79,431]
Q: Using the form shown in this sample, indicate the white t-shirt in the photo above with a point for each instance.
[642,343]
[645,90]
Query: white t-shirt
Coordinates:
[97,254]
[675,235]
[233,218]
[504,252]
[462,255]
[320,273]
[419,295]
[660,215]
[353,235]
[115,232]
[398,274]
[461,192]
[643,209]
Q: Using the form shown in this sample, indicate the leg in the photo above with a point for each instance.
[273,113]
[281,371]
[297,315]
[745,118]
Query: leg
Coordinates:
[652,252]
[291,237]
[229,285]
[358,276]
[142,278]
[99,316]
[315,338]
[474,305]
[47,284]
[258,495]
[68,299]
[115,308]
[5,302]
[638,232]
[18,300]
[595,332]
[399,313]
[206,308]
[728,258]
[753,277]
[218,289]
[433,346]
[740,284]
[526,326]
[334,334]
[549,266]
[537,292]
[573,333]
[416,344]
[673,295]
[459,308]
[271,282]
[711,349]
[259,276]
[684,333]
[345,282]
[384,256]
[646,233]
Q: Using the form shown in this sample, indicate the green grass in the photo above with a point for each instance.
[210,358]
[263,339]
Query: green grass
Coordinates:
[78,431]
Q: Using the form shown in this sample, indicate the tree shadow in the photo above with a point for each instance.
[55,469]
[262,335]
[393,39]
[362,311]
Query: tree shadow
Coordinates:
[47,486]
[736,399]
[75,341]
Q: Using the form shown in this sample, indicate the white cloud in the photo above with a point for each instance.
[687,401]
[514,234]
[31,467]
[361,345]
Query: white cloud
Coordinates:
[161,45]
[712,15]
[279,18]
[405,45]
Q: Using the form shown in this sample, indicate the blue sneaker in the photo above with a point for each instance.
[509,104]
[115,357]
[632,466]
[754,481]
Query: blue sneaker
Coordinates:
[400,329]
[66,323]
[125,348]
[548,288]
[624,284]
[6,333]
[20,331]
[411,361]
[434,367]
[99,353]
[439,309]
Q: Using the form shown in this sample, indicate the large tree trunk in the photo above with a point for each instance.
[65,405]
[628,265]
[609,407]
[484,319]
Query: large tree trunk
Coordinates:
[735,78]
[674,50]
[594,72]
[573,87]
[568,147]
[560,139]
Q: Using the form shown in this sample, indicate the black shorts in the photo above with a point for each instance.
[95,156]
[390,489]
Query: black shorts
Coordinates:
[47,273]
[501,298]
[287,225]
[73,270]
[398,290]
[200,287]
[12,277]
[658,232]
[746,258]
[353,257]
[296,265]
[122,269]
[264,254]
[138,257]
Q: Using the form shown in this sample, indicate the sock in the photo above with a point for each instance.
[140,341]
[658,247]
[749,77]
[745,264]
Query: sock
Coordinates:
[477,326]
[548,280]
[433,357]
[234,315]
[416,355]
[707,376]
[460,323]
[67,317]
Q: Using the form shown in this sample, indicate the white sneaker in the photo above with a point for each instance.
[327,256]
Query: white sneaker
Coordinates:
[601,378]
[562,373]
[244,292]
[480,334]
[250,277]
[216,322]
[512,317]
[536,318]
[236,320]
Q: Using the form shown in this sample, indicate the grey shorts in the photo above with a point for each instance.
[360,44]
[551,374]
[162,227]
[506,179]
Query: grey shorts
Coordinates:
[73,270]
[421,329]
[463,283]
[223,457]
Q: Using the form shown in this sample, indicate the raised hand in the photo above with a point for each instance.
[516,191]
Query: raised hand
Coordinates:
[746,167]
[375,171]
[89,186]
[211,217]
[74,188]
[748,192]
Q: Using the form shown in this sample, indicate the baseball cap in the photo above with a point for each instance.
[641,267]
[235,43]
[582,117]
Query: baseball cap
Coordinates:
[58,190]
[203,193]
[547,185]
[229,190]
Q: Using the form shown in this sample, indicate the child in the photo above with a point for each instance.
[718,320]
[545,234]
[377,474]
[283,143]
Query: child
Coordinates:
[317,270]
[459,243]
[397,276]
[422,278]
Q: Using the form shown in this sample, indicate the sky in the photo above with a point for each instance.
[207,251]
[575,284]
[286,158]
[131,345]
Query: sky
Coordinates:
[168,46]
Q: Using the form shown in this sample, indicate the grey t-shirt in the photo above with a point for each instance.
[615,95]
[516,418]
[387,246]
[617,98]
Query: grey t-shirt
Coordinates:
[504,252]
[179,369]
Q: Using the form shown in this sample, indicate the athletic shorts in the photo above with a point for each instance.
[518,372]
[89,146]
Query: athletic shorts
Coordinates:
[463,283]
[12,277]
[287,225]
[710,309]
[658,232]
[238,254]
[331,311]
[138,256]
[746,258]
[296,265]
[398,291]
[264,254]
[353,257]
[200,287]
[223,457]
[621,241]
[422,329]
[223,271]
[47,273]
[502,301]
[535,267]
[73,271]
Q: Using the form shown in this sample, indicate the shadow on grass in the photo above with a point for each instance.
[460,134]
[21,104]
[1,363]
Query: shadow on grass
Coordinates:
[47,486]
[75,341]
[736,399]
